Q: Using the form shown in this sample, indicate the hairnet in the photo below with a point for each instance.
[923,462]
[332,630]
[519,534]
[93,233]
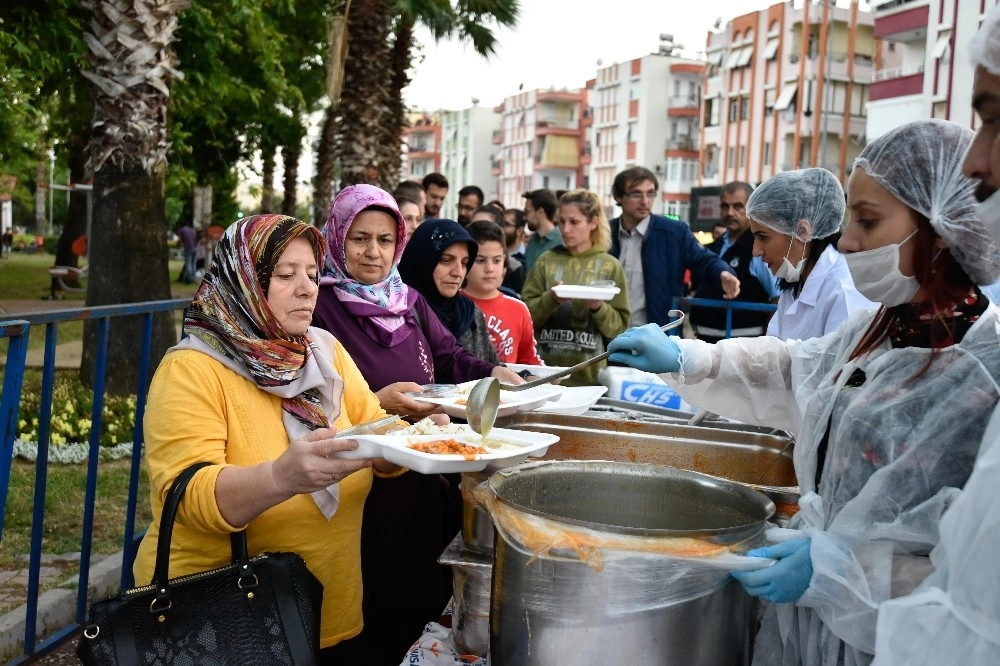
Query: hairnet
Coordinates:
[920,163]
[984,49]
[813,195]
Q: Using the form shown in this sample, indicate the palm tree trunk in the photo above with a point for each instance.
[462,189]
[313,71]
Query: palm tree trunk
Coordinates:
[395,120]
[132,65]
[323,182]
[290,158]
[267,174]
[366,94]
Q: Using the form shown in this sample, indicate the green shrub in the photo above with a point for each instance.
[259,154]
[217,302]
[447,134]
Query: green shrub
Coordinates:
[52,244]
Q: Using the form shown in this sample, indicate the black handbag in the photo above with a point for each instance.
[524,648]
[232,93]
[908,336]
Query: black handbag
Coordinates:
[259,610]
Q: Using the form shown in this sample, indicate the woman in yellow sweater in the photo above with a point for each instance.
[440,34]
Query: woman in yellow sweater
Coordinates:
[256,390]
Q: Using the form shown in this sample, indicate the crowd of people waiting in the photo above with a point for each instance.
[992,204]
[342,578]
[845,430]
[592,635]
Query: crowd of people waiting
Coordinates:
[883,359]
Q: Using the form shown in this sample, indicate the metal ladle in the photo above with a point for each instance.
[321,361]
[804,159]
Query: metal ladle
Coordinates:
[484,399]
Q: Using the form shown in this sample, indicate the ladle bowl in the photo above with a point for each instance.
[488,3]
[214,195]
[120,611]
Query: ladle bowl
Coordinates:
[484,399]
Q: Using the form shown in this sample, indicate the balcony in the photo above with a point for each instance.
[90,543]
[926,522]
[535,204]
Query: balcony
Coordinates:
[683,106]
[901,20]
[683,143]
[420,151]
[897,82]
[556,127]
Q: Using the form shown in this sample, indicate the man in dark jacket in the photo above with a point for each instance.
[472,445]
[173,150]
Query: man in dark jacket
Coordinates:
[757,284]
[655,251]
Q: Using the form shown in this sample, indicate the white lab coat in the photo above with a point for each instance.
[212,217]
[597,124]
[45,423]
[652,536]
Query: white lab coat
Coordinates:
[898,451]
[954,617]
[826,300]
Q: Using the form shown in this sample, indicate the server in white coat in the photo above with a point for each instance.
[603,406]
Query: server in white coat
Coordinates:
[954,617]
[888,411]
[795,219]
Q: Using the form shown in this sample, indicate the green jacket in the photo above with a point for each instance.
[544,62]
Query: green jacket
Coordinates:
[569,333]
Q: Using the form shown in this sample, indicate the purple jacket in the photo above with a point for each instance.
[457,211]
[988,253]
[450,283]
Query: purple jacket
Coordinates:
[430,354]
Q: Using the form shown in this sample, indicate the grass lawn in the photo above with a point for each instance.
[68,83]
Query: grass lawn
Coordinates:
[64,496]
[25,277]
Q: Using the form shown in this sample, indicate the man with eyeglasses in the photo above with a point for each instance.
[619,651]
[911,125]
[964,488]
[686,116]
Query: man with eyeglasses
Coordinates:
[757,284]
[655,251]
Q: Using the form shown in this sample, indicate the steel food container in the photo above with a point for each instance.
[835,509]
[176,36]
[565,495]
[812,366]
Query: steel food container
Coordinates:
[471,574]
[557,607]
[735,452]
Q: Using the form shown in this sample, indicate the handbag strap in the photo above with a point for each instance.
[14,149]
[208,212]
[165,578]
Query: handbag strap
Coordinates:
[161,569]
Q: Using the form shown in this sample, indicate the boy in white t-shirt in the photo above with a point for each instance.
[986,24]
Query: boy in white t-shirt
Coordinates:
[507,319]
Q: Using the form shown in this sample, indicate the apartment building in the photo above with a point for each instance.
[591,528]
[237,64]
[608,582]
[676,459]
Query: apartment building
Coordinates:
[539,143]
[933,76]
[645,112]
[422,140]
[787,87]
[466,153]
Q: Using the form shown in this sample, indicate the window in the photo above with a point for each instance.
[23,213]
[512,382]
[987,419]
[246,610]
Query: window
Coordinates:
[744,108]
[673,130]
[712,111]
[771,50]
[545,182]
[942,48]
[527,149]
[743,155]
[673,167]
[730,157]
[692,90]
[677,88]
[767,153]
[787,96]
[734,107]
[734,57]
[769,97]
[746,53]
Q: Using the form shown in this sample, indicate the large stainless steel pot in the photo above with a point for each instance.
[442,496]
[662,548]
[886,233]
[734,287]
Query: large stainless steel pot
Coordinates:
[737,452]
[552,607]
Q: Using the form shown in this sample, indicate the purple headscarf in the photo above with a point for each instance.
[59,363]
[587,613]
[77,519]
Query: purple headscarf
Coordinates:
[379,307]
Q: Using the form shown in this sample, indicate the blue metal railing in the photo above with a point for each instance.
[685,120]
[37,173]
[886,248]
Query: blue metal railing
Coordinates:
[686,304]
[17,332]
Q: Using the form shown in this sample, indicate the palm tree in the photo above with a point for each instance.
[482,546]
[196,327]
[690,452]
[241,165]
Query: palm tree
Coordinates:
[132,66]
[369,120]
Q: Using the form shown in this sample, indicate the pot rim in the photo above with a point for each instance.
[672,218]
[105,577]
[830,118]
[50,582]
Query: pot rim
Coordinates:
[753,498]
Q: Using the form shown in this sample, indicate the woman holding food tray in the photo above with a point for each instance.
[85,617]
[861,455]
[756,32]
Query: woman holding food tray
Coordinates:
[572,325]
[253,390]
[399,343]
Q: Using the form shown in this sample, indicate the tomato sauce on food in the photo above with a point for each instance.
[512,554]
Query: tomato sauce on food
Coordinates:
[449,447]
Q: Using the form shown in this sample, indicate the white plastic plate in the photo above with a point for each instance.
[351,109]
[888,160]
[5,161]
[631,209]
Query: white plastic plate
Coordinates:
[586,293]
[517,446]
[511,402]
[575,400]
[536,370]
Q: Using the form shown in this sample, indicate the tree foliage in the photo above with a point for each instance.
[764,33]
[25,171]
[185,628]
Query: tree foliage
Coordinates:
[371,114]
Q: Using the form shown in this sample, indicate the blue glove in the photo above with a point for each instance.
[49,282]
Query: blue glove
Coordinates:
[647,348]
[784,581]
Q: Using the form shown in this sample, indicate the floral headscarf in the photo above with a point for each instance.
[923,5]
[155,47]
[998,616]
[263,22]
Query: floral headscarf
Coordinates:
[421,257]
[230,314]
[379,307]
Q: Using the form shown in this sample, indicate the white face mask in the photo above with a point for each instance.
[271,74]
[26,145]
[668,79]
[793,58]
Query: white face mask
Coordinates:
[786,271]
[877,276]
[989,214]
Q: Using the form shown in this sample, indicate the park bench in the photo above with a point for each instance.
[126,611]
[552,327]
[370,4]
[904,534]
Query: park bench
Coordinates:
[67,278]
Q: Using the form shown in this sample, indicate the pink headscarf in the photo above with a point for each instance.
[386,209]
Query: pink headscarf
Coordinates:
[380,307]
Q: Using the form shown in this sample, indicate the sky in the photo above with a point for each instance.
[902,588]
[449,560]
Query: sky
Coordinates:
[557,44]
